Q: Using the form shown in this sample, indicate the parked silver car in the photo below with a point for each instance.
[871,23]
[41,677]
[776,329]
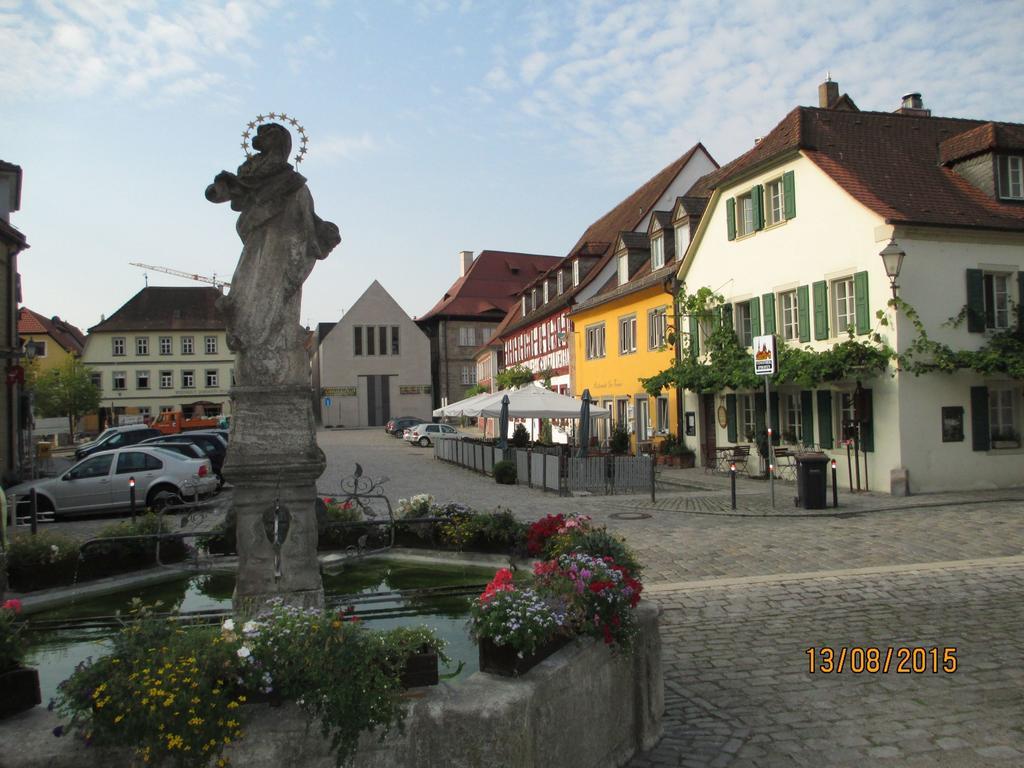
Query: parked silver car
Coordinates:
[101,482]
[425,434]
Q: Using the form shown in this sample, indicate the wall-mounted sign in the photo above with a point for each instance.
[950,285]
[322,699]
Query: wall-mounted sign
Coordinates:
[765,360]
[413,389]
[952,424]
[691,423]
[327,402]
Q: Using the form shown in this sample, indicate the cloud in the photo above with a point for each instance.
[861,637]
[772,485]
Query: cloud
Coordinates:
[533,65]
[338,147]
[131,48]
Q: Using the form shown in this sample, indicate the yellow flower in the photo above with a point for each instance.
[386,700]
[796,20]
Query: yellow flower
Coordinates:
[241,699]
[118,719]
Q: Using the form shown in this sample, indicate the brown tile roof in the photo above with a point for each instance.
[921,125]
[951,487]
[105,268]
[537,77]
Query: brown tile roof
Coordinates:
[70,338]
[642,280]
[167,308]
[490,285]
[984,138]
[887,161]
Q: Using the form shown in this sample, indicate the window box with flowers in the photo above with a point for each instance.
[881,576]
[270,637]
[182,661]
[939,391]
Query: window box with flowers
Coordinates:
[19,686]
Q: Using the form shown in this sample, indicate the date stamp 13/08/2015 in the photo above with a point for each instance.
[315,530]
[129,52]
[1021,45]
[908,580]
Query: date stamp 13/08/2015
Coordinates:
[868,659]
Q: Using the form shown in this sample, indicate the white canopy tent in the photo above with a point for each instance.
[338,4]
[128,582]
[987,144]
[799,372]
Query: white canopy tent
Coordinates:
[533,402]
[458,409]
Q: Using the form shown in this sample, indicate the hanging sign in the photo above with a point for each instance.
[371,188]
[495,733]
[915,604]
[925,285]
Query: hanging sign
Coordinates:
[765,359]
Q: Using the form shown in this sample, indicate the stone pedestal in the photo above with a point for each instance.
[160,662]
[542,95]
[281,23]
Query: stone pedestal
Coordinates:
[274,462]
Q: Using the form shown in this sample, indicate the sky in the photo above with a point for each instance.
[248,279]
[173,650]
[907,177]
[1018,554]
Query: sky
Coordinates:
[434,125]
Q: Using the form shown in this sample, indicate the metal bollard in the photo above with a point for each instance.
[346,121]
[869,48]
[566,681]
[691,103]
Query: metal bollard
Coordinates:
[131,496]
[34,511]
[835,488]
[732,472]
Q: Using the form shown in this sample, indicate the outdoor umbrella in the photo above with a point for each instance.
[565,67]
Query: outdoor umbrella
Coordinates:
[503,424]
[584,434]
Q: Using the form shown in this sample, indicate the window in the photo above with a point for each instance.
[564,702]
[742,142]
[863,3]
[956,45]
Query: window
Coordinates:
[748,419]
[997,300]
[663,425]
[142,379]
[144,412]
[467,337]
[357,340]
[485,335]
[744,215]
[1011,177]
[682,237]
[657,253]
[595,341]
[533,298]
[382,339]
[657,325]
[394,340]
[136,461]
[793,428]
[622,414]
[775,192]
[623,269]
[188,345]
[643,418]
[560,281]
[97,380]
[38,348]
[120,381]
[118,346]
[847,422]
[212,378]
[468,374]
[744,330]
[97,466]
[844,308]
[789,320]
[165,345]
[166,379]
[142,345]
[188,379]
[627,335]
[576,272]
[1001,416]
[524,306]
[371,341]
[547,298]
[210,343]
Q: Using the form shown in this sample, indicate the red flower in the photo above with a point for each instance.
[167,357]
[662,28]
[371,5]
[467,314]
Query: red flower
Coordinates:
[13,605]
[608,639]
[541,531]
[598,586]
[502,582]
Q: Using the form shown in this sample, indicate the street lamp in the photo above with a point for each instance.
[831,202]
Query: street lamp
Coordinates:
[671,287]
[892,257]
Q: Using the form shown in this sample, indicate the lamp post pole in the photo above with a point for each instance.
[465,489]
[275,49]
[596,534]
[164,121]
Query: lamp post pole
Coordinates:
[672,288]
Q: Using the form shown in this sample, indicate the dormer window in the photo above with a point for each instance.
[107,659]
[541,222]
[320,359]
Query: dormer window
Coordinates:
[533,298]
[524,306]
[576,273]
[623,269]
[547,298]
[1011,177]
[657,253]
[682,237]
[560,282]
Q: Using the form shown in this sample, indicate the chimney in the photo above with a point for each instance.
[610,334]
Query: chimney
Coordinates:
[465,262]
[828,93]
[913,104]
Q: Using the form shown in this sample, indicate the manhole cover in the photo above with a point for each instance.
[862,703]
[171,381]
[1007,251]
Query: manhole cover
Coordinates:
[629,516]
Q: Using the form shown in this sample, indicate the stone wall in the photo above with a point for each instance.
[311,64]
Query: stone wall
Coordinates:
[581,707]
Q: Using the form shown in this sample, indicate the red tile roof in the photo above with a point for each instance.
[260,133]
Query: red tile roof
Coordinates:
[984,138]
[70,338]
[167,308]
[490,285]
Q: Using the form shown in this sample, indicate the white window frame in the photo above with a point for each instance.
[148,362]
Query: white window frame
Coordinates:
[642,418]
[141,346]
[622,268]
[627,335]
[595,341]
[663,415]
[117,346]
[744,207]
[744,330]
[560,281]
[747,416]
[575,272]
[845,412]
[188,345]
[166,379]
[524,305]
[212,377]
[210,345]
[657,252]
[166,344]
[775,202]
[999,297]
[792,412]
[139,376]
[789,315]
[1011,177]
[657,327]
[1003,413]
[468,374]
[188,379]
[682,238]
[119,376]
[546,292]
[843,305]
[467,336]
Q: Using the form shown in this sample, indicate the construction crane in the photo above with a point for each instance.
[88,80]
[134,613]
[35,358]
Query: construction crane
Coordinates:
[219,284]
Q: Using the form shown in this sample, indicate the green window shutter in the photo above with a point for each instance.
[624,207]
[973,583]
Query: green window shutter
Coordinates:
[980,436]
[757,204]
[727,316]
[717,314]
[776,418]
[754,309]
[861,305]
[807,417]
[975,302]
[789,194]
[824,418]
[768,300]
[820,309]
[867,426]
[803,311]
[730,409]
[730,217]
[694,336]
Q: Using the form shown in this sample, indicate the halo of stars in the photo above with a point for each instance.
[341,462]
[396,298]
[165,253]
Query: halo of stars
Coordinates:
[251,126]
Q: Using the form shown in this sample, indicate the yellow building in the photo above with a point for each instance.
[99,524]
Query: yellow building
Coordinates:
[49,340]
[623,334]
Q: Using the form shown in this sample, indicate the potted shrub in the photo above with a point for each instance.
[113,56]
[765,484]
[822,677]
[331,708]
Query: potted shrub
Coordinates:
[619,442]
[19,686]
[520,437]
[505,473]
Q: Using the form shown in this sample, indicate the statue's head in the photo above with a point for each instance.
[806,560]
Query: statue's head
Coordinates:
[274,141]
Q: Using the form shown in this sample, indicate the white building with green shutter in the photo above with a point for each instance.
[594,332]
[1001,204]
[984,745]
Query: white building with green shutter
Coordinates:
[791,236]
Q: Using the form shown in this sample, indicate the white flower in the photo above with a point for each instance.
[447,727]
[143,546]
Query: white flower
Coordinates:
[250,627]
[228,625]
[244,652]
[55,549]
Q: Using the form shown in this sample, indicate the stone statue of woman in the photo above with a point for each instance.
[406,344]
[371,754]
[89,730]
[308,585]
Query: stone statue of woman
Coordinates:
[273,460]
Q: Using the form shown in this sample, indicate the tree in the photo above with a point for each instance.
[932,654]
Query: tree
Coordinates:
[66,390]
[516,376]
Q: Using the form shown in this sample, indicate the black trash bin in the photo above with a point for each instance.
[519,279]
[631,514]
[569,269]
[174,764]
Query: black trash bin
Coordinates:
[811,479]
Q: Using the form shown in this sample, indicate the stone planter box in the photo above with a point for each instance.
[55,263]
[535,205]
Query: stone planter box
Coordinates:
[506,661]
[19,690]
[483,721]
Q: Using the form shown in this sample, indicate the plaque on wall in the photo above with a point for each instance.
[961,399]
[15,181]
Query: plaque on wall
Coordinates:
[952,424]
[691,424]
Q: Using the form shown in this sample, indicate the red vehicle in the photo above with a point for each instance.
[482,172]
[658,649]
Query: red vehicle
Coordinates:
[173,422]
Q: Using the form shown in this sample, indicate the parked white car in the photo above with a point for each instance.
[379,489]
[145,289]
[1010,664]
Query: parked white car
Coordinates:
[425,434]
[101,482]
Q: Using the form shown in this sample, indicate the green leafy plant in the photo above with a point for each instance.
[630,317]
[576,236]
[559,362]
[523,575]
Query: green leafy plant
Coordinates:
[619,441]
[505,473]
[66,390]
[520,437]
[514,376]
[520,618]
[45,560]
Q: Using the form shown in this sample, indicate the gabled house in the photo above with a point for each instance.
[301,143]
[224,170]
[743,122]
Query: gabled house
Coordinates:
[164,349]
[13,405]
[470,311]
[792,234]
[537,332]
[373,365]
[52,340]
